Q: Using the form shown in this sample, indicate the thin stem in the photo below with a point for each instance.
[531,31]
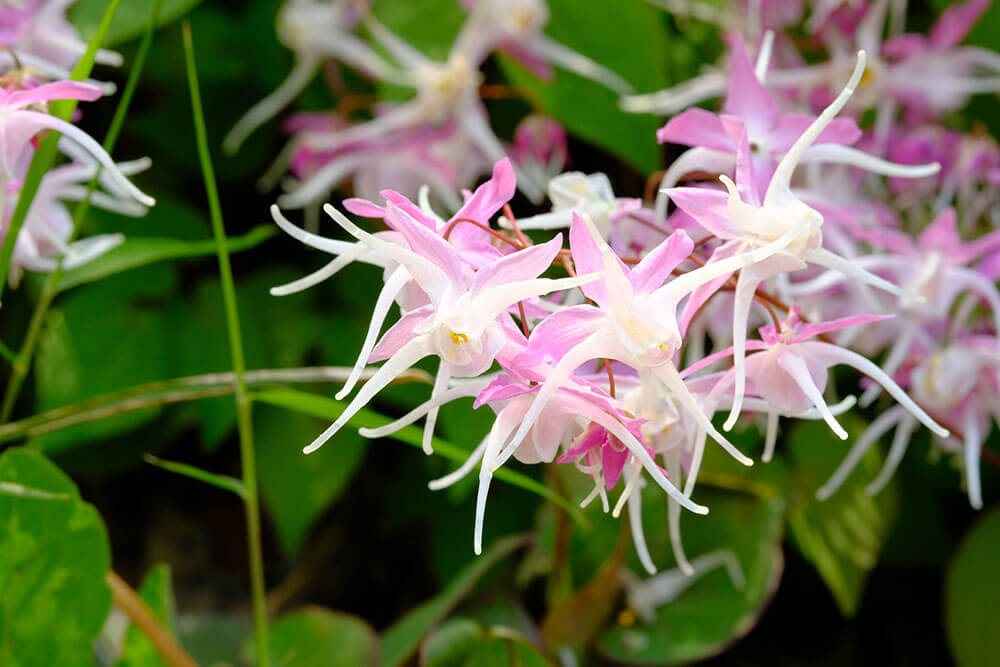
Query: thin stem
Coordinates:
[492,232]
[22,362]
[244,419]
[142,618]
[178,390]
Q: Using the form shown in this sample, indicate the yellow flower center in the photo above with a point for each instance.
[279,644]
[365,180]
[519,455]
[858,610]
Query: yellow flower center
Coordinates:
[458,338]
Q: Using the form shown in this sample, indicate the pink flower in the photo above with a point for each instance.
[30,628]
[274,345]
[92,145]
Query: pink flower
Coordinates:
[462,323]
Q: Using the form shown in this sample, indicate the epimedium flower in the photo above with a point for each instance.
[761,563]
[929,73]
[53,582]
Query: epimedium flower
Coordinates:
[461,324]
[445,92]
[633,322]
[959,382]
[38,35]
[789,371]
[316,31]
[442,158]
[575,193]
[745,220]
[44,239]
[20,122]
[770,134]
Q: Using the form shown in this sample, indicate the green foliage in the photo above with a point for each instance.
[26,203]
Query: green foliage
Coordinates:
[428,25]
[587,109]
[320,406]
[297,488]
[315,636]
[131,19]
[54,555]
[402,639]
[140,251]
[843,535]
[713,612]
[157,592]
[461,642]
[972,589]
[106,336]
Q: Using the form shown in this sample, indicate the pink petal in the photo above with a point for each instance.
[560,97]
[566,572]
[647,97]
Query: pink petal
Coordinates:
[364,208]
[747,97]
[655,268]
[60,90]
[696,127]
[812,330]
[521,265]
[956,22]
[587,259]
[708,206]
[400,333]
[941,236]
[427,244]
[613,461]
[559,333]
[843,131]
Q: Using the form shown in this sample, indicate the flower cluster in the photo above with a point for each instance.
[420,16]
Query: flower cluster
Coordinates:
[441,137]
[39,47]
[786,240]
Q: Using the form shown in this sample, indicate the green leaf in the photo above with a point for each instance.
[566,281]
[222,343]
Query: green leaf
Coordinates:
[54,556]
[104,337]
[296,488]
[599,30]
[411,20]
[157,592]
[402,639]
[327,408]
[316,636]
[843,535]
[713,612]
[139,251]
[462,642]
[224,482]
[971,591]
[131,19]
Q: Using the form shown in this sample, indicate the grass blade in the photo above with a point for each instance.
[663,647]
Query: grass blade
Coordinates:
[221,481]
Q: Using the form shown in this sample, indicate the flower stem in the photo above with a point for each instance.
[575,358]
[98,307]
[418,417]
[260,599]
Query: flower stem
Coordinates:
[142,617]
[244,417]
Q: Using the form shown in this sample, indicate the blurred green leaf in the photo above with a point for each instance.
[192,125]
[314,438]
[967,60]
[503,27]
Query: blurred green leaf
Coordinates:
[156,591]
[403,637]
[713,612]
[599,30]
[131,19]
[298,488]
[103,337]
[462,642]
[224,482]
[971,592]
[843,535]
[315,636]
[280,334]
[321,406]
[54,556]
[428,25]
[136,252]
